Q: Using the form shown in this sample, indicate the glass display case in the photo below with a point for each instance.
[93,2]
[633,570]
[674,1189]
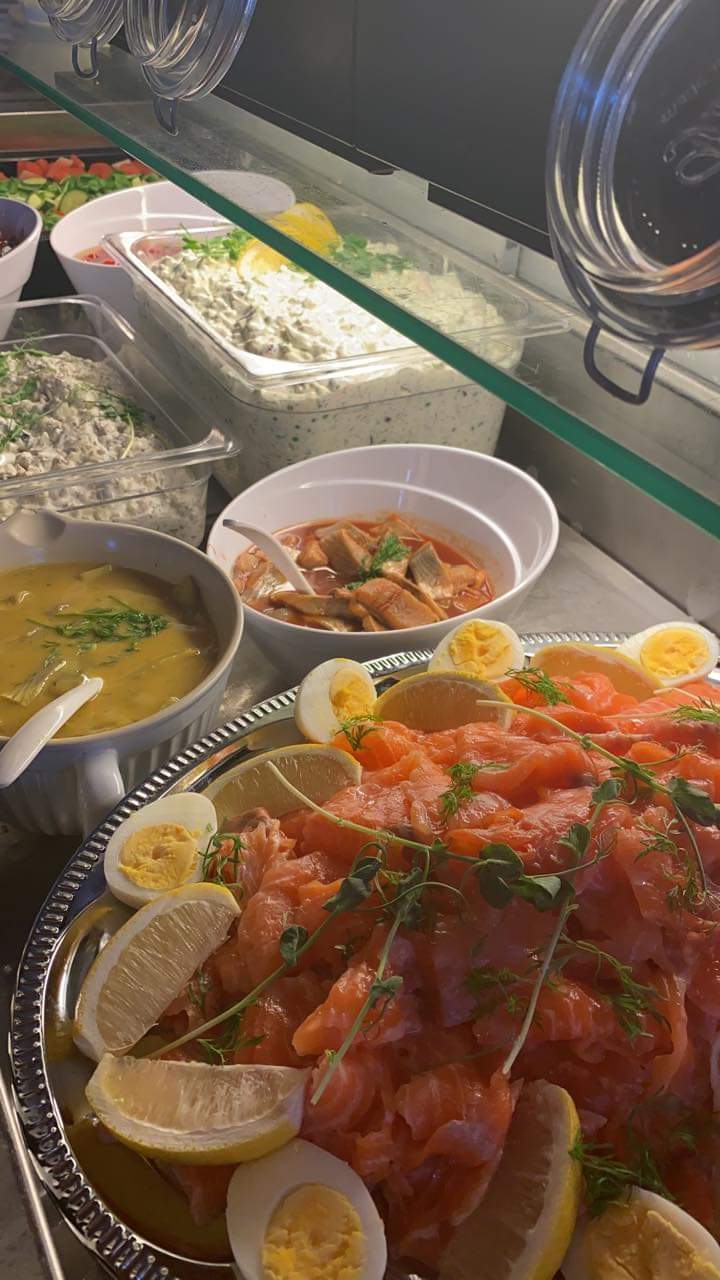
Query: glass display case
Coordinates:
[219,144]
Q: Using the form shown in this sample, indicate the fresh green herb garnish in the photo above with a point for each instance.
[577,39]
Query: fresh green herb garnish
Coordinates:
[232,245]
[222,1047]
[461,775]
[107,623]
[701,712]
[354,256]
[538,682]
[609,1181]
[356,729]
[391,548]
[214,862]
[632,1000]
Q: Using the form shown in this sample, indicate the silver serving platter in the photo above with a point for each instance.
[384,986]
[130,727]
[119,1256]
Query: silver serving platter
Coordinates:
[74,922]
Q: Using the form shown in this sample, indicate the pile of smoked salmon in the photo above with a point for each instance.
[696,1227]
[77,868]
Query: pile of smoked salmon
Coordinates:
[420,1106]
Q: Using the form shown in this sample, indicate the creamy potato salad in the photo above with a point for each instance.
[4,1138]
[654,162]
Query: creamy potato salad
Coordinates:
[64,411]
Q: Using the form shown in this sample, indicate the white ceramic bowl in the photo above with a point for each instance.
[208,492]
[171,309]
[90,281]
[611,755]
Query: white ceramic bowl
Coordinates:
[475,500]
[158,206]
[74,782]
[21,223]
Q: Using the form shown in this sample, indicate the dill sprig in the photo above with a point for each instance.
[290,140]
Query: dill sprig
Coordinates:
[124,624]
[540,683]
[221,1048]
[391,548]
[461,776]
[701,712]
[608,1180]
[356,729]
[214,863]
[631,1000]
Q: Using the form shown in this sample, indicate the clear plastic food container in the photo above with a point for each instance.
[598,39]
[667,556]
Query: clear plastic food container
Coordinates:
[158,478]
[284,411]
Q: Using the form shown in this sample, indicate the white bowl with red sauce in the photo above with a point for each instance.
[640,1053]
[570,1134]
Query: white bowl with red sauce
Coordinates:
[157,206]
[480,509]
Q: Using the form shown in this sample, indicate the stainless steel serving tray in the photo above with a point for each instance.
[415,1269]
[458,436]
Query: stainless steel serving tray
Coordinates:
[78,915]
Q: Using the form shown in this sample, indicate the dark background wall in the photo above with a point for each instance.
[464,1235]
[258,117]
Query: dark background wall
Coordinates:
[457,91]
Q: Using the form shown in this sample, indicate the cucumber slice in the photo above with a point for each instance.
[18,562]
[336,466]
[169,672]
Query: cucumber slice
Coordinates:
[72,200]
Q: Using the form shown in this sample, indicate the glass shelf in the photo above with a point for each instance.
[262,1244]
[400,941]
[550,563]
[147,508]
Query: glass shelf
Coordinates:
[673,456]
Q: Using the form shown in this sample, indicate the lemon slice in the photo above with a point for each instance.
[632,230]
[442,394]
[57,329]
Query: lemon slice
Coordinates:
[439,700]
[318,771]
[522,1228]
[146,965]
[194,1113]
[569,660]
[305,223]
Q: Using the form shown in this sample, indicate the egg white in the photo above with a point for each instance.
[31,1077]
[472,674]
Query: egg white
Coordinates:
[194,812]
[632,648]
[574,1267]
[442,659]
[315,715]
[257,1188]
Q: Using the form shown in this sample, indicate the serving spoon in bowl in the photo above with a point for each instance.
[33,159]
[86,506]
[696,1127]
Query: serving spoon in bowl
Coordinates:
[275,552]
[21,749]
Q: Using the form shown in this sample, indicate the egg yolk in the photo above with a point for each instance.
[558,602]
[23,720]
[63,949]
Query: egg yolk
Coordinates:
[159,857]
[349,696]
[314,1234]
[480,649]
[674,652]
[630,1242]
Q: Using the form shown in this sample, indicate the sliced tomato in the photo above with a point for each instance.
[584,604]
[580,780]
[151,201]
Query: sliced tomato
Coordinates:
[65,167]
[131,166]
[31,168]
[100,169]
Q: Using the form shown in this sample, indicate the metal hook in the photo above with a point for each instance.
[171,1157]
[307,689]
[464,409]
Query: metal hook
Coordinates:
[92,73]
[620,393]
[169,123]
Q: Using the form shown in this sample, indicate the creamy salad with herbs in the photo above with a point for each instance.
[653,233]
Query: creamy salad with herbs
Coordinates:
[287,315]
[60,411]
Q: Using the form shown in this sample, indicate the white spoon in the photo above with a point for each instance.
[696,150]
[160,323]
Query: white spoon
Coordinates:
[21,749]
[276,552]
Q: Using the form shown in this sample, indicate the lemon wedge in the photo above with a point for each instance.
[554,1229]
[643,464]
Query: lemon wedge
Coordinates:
[146,964]
[317,771]
[305,223]
[522,1228]
[570,659]
[438,700]
[194,1113]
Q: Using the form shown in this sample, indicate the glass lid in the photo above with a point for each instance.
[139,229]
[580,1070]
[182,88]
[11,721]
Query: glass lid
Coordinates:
[633,175]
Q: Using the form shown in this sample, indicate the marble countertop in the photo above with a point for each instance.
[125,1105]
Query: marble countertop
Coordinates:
[582,590]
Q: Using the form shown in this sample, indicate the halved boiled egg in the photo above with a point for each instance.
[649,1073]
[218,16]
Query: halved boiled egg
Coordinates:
[645,1238]
[479,648]
[674,652]
[159,848]
[302,1214]
[331,694]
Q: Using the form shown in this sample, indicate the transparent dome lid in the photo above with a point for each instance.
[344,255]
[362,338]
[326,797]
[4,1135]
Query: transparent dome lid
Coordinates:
[633,172]
[84,22]
[185,48]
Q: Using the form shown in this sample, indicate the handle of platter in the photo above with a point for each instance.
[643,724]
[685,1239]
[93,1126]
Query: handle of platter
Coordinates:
[607,384]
